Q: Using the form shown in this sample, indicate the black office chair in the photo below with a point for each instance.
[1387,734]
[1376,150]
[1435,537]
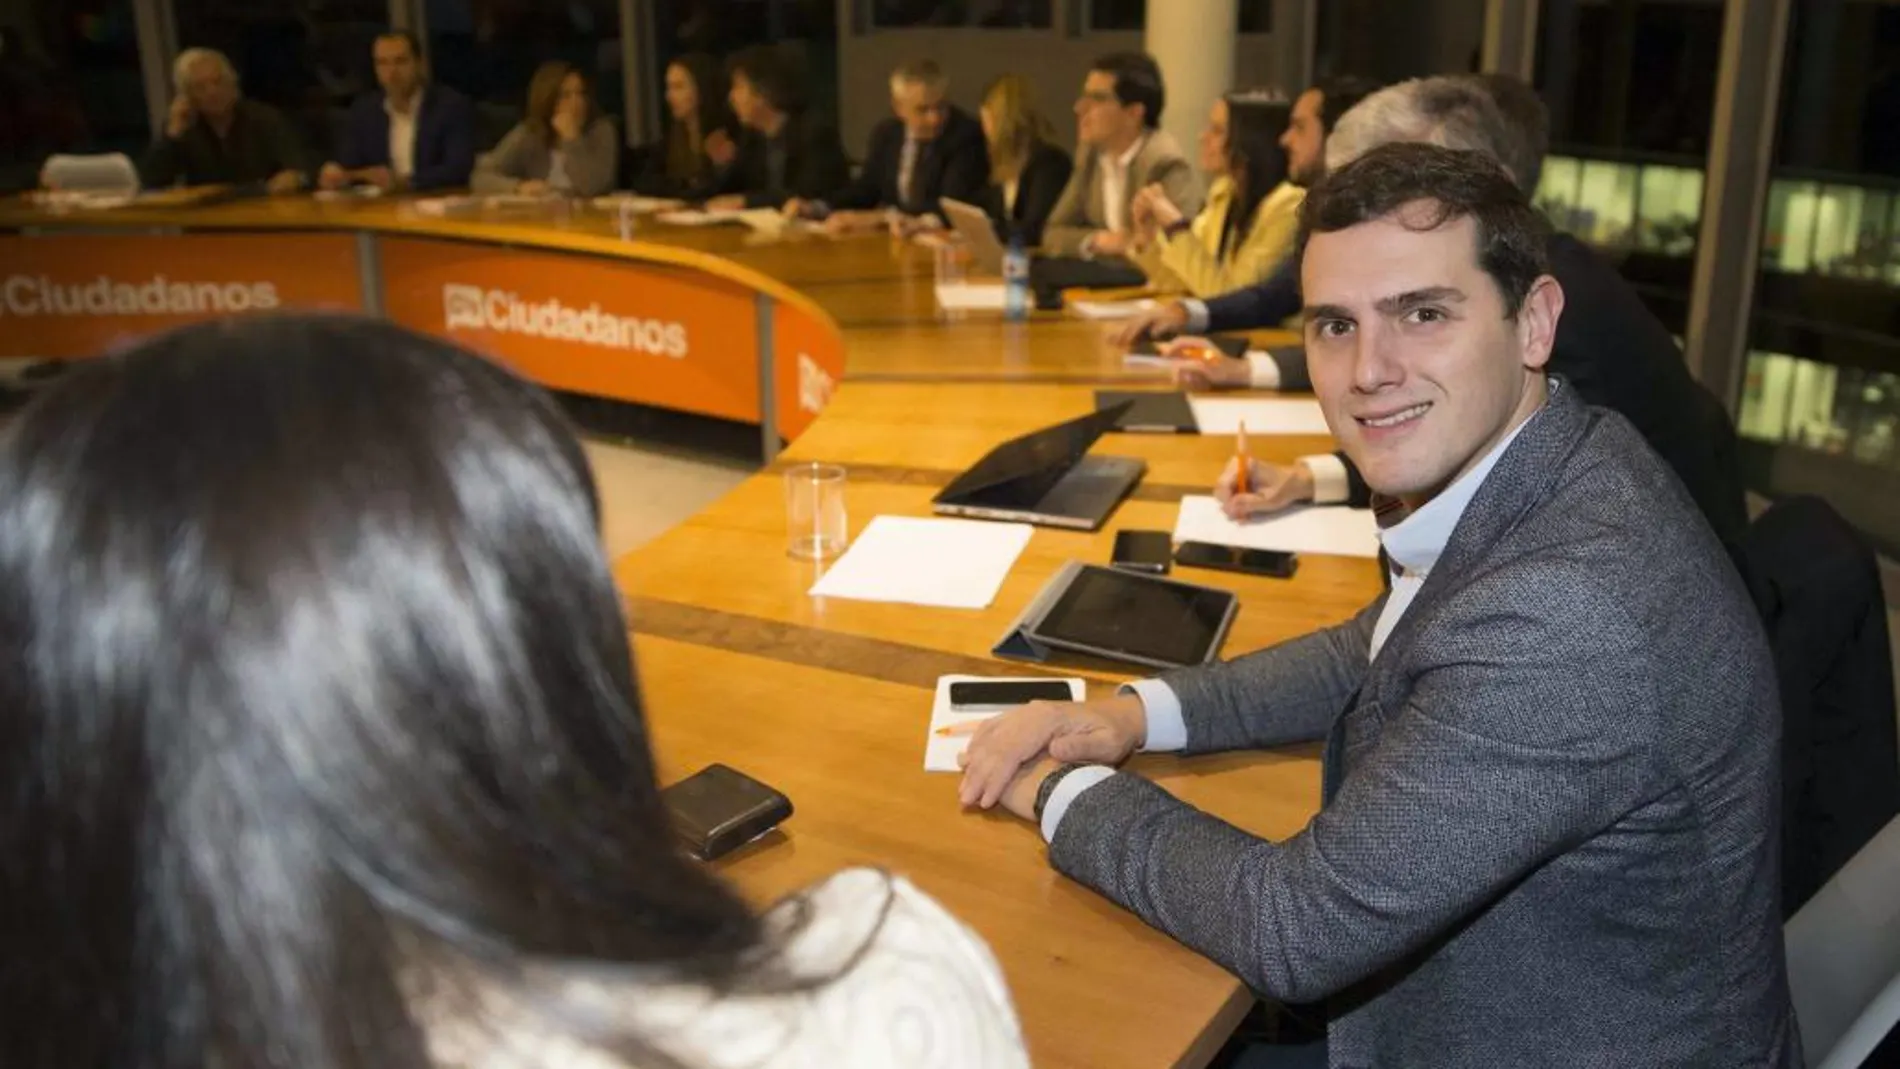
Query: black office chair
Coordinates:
[1819,587]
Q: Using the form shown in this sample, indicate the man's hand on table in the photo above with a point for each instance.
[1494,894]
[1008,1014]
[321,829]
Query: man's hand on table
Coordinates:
[1271,487]
[1102,732]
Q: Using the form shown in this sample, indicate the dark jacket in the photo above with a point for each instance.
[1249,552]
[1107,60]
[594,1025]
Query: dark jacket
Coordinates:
[955,165]
[1550,814]
[653,179]
[814,164]
[261,145]
[1044,177]
[1613,352]
[445,137]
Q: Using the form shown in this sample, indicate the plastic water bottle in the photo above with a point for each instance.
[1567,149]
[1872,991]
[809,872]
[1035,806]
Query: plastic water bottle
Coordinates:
[1016,279]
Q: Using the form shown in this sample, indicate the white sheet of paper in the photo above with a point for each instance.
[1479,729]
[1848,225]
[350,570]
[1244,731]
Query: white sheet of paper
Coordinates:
[952,564]
[1110,309]
[696,217]
[1153,360]
[970,296]
[637,204]
[1267,415]
[941,751]
[1327,529]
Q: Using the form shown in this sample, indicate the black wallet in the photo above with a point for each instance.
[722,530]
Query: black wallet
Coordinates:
[719,809]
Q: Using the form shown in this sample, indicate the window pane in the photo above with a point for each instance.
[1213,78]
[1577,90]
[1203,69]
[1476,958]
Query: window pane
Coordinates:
[1256,16]
[489,49]
[986,14]
[1118,14]
[69,82]
[1631,91]
[1821,403]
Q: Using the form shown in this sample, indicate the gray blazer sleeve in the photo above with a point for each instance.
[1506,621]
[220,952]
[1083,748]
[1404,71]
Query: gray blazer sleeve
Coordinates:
[593,160]
[1182,185]
[1068,226]
[1291,692]
[1529,729]
[508,164]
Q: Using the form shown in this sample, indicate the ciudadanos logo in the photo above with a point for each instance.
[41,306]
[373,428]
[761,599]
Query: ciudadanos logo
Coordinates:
[28,296]
[476,308]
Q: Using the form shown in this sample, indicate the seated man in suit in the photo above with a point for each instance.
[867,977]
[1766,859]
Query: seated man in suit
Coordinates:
[408,135]
[928,150]
[1122,150]
[1548,827]
[215,136]
[1611,349]
[785,151]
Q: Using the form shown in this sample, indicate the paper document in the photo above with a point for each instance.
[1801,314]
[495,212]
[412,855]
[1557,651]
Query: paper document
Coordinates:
[696,217]
[1327,529]
[1224,415]
[970,296]
[952,564]
[1110,309]
[637,204]
[941,751]
[436,207]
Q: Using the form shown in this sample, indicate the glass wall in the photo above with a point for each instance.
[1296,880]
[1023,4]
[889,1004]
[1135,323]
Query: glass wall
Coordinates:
[1631,90]
[987,14]
[1820,408]
[489,49]
[69,82]
[1254,16]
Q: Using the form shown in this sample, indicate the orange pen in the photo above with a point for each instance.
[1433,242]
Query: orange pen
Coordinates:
[1241,463]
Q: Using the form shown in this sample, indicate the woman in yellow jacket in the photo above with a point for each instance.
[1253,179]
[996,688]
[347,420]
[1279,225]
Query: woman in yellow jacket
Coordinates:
[1247,227]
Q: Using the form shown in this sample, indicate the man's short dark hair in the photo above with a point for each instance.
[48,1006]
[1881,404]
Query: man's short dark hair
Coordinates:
[405,36]
[1511,234]
[1338,95]
[1529,121]
[771,73]
[1137,81]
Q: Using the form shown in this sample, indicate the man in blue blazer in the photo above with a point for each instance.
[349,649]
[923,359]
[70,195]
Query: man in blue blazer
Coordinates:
[408,135]
[1548,829]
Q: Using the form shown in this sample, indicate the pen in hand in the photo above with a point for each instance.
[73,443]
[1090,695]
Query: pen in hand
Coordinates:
[1241,462]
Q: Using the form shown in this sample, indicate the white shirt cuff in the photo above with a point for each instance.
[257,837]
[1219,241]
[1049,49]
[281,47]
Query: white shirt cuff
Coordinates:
[1330,485]
[1067,791]
[1197,315]
[1161,708]
[1263,368]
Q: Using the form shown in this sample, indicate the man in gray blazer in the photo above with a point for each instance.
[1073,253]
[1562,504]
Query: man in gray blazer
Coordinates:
[1121,150]
[1547,834]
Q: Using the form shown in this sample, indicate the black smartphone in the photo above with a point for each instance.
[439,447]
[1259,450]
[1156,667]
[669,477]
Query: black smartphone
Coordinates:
[719,809]
[1004,693]
[1142,551]
[1268,562]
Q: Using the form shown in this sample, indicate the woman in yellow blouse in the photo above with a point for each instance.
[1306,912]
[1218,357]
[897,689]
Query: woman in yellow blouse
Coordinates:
[1247,227]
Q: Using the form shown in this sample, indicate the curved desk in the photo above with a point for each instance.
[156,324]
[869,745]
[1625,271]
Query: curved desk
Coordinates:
[829,700]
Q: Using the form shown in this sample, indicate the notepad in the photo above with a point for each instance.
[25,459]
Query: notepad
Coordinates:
[1224,415]
[941,751]
[1324,529]
[951,564]
[970,296]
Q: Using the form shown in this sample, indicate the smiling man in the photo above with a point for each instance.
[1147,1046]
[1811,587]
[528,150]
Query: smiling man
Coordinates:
[1547,832]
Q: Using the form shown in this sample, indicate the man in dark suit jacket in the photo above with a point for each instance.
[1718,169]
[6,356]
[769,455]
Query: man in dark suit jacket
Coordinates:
[1610,348]
[408,135]
[928,150]
[1547,833]
[785,151]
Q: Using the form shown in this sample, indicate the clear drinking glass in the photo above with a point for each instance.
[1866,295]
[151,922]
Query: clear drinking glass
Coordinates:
[814,511]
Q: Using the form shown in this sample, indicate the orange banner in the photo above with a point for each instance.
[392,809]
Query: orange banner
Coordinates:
[74,295]
[810,364]
[652,335]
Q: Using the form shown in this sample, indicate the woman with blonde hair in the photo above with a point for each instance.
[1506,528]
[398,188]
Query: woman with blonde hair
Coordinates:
[1027,170]
[563,146]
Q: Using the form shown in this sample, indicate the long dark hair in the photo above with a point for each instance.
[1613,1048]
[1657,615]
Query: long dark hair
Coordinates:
[315,687]
[1255,160]
[685,159]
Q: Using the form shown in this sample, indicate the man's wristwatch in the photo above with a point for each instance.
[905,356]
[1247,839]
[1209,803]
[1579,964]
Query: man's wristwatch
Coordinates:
[1049,787]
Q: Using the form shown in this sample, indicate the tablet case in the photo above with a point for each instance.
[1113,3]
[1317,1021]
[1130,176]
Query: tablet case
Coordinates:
[1150,411]
[1022,643]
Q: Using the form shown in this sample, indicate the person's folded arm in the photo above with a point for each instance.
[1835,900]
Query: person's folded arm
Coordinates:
[1263,305]
[1183,187]
[1257,259]
[1494,766]
[504,167]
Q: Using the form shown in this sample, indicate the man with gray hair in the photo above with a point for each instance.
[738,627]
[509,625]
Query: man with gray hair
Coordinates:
[1609,346]
[213,135]
[929,149]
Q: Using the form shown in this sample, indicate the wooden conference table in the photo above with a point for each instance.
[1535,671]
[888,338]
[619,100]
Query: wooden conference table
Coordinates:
[825,699]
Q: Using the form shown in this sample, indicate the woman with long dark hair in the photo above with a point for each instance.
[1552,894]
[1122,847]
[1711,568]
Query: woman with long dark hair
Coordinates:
[323,748]
[700,133]
[1247,227]
[564,145]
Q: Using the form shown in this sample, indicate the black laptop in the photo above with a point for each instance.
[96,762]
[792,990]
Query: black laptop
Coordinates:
[1047,478]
